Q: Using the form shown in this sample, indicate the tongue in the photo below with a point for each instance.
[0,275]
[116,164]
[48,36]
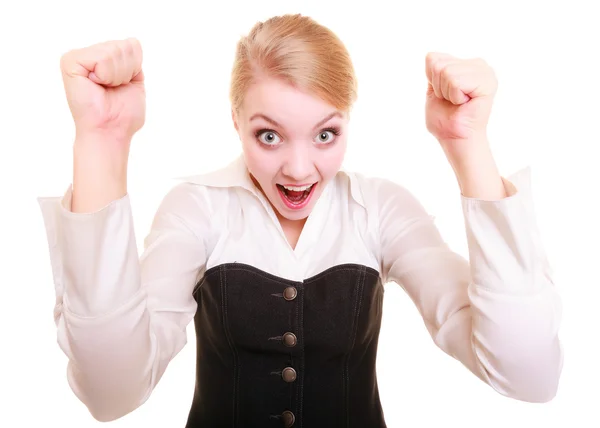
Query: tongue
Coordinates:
[295,196]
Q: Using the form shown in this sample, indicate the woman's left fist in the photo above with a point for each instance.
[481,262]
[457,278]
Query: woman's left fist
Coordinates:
[460,94]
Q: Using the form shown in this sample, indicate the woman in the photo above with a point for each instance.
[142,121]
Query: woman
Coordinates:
[280,258]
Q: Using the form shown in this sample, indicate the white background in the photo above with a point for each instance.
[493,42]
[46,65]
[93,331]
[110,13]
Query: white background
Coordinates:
[546,116]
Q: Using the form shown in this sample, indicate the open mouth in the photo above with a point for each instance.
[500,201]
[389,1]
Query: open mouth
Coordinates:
[296,197]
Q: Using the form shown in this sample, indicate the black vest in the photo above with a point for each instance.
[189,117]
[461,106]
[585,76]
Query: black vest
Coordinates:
[272,352]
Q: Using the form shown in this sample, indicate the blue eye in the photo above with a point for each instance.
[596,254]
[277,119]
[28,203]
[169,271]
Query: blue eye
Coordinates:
[327,136]
[269,138]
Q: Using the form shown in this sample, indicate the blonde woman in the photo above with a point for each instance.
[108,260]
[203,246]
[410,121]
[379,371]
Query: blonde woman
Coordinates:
[280,258]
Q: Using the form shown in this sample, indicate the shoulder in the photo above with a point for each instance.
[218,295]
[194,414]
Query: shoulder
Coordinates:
[378,193]
[210,189]
[206,199]
[184,205]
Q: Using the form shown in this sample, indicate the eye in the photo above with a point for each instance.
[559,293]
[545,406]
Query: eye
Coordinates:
[267,137]
[326,136]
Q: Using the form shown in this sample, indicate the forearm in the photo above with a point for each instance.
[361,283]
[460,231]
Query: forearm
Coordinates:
[515,341]
[475,169]
[103,322]
[515,306]
[497,312]
[113,360]
[120,319]
[509,341]
[99,172]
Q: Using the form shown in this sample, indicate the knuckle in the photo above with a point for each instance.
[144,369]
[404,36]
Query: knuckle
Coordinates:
[453,81]
[65,59]
[116,51]
[439,66]
[441,70]
[69,57]
[447,73]
[105,54]
[132,46]
[133,42]
[430,60]
[127,49]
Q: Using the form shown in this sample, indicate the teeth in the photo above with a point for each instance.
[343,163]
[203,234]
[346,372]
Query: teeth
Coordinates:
[298,189]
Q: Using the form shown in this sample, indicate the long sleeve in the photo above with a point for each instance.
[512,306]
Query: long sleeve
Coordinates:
[498,312]
[120,318]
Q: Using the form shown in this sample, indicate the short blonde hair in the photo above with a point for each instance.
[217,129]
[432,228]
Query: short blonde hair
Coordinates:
[299,51]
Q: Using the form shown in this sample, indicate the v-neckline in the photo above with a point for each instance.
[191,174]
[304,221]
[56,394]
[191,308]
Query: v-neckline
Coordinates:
[307,235]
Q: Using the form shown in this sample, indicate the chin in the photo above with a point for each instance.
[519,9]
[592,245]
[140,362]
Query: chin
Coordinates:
[295,216]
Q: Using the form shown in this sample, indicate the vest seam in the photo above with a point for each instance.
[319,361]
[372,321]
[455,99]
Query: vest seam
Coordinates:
[236,369]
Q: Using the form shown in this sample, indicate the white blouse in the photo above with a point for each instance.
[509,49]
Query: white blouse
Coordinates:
[121,319]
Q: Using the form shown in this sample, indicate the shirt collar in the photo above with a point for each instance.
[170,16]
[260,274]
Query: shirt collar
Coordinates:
[236,174]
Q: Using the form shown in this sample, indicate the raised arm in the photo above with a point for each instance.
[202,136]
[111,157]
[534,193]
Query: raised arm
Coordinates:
[120,319]
[499,314]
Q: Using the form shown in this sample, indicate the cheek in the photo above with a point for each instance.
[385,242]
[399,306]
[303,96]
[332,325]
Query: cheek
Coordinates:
[258,163]
[330,161]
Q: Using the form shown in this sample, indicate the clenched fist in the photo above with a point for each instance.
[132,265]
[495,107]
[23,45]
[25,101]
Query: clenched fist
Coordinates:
[104,85]
[459,97]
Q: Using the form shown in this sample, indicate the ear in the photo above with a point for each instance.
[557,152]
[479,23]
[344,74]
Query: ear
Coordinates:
[235,120]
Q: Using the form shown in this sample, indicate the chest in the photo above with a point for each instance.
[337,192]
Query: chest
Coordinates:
[266,344]
[260,312]
[294,254]
[292,231]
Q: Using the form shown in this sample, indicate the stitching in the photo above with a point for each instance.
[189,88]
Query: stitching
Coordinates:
[223,283]
[347,267]
[199,285]
[291,385]
[357,307]
[247,268]
[300,321]
[344,268]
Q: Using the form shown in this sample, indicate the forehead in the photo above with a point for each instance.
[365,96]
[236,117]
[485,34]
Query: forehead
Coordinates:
[287,105]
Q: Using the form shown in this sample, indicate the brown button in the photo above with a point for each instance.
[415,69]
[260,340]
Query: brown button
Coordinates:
[289,339]
[289,374]
[290,293]
[288,419]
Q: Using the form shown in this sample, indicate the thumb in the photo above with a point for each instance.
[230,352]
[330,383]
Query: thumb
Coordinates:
[80,62]
[92,76]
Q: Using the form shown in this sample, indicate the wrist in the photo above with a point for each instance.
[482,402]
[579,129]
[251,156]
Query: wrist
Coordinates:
[99,173]
[475,169]
[106,153]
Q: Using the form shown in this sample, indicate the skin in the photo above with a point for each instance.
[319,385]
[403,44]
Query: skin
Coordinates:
[459,100]
[460,94]
[299,146]
[104,86]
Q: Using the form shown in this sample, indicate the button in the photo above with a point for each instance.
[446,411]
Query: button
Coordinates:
[289,374]
[288,419]
[289,340]
[290,293]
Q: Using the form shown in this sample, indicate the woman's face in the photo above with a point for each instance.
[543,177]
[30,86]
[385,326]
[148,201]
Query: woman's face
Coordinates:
[293,144]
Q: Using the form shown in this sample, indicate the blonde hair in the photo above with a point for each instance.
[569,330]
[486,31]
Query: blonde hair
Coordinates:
[299,51]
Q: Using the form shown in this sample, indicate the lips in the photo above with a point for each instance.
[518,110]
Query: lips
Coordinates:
[296,197]
[296,188]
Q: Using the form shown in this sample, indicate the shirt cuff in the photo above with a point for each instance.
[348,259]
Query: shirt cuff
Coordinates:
[505,250]
[93,256]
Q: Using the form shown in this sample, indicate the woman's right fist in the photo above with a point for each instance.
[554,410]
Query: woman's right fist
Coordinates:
[104,85]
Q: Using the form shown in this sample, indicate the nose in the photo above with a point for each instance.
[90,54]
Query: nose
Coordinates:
[298,165]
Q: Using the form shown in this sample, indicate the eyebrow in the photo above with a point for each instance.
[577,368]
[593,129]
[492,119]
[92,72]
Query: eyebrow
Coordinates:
[275,123]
